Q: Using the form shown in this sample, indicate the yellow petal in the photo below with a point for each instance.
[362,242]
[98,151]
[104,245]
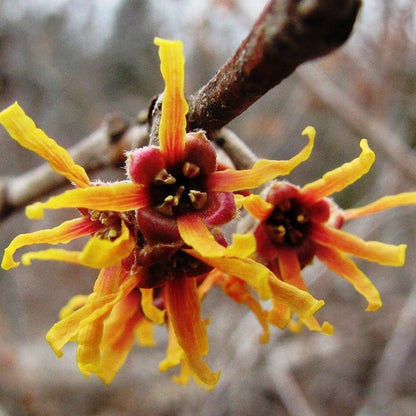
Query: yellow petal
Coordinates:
[74,303]
[174,352]
[117,197]
[174,106]
[237,290]
[63,233]
[196,234]
[95,307]
[118,336]
[279,315]
[88,349]
[99,253]
[345,267]
[385,254]
[144,333]
[290,271]
[64,330]
[258,207]
[153,313]
[22,129]
[264,170]
[340,178]
[313,325]
[243,245]
[387,202]
[56,254]
[261,279]
[184,311]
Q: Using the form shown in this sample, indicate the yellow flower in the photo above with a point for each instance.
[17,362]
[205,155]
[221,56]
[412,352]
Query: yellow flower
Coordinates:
[296,224]
[154,237]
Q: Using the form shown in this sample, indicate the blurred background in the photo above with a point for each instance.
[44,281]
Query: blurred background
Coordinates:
[71,62]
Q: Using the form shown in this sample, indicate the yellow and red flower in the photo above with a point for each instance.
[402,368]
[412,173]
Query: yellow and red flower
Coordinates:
[295,225]
[154,237]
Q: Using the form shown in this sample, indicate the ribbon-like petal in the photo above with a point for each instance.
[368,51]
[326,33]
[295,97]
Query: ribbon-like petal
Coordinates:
[23,129]
[258,207]
[63,233]
[382,253]
[386,202]
[345,267]
[117,197]
[264,170]
[184,311]
[339,178]
[174,106]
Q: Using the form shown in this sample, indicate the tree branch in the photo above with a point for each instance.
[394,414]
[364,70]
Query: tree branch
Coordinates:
[287,34]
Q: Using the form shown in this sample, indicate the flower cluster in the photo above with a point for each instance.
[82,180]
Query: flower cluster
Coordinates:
[159,242]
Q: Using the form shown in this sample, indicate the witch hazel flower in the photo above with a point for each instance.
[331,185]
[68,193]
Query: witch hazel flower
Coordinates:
[154,238]
[297,224]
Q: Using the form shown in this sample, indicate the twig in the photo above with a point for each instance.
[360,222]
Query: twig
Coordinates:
[294,354]
[392,361]
[358,119]
[287,34]
[104,147]
[239,153]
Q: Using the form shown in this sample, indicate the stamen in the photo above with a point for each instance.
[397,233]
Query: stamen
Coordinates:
[198,198]
[190,170]
[163,177]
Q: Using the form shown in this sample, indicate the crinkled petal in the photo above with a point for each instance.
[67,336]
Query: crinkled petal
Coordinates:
[196,234]
[387,202]
[64,330]
[88,348]
[97,253]
[258,207]
[116,350]
[174,352]
[290,272]
[289,267]
[382,253]
[151,312]
[55,254]
[74,303]
[261,279]
[262,171]
[279,315]
[144,333]
[174,106]
[22,129]
[339,178]
[63,233]
[118,335]
[116,197]
[96,306]
[184,311]
[237,289]
[243,245]
[345,267]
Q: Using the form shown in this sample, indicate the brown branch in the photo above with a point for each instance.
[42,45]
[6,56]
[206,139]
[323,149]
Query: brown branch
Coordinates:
[287,34]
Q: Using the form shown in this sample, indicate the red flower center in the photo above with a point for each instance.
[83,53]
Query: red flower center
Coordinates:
[288,223]
[180,191]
